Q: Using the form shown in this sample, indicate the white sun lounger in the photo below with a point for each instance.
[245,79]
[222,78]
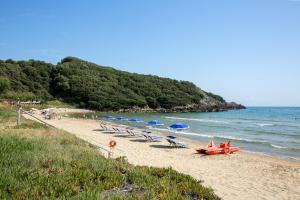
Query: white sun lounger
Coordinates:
[152,138]
[177,143]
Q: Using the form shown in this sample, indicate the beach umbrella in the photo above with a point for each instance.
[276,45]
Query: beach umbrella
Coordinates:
[108,117]
[155,122]
[136,120]
[179,126]
[122,118]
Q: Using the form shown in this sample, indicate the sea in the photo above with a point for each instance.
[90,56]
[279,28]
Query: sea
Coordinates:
[273,131]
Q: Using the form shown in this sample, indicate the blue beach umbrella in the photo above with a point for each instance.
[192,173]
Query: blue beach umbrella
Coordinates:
[155,122]
[122,118]
[179,126]
[109,117]
[136,120]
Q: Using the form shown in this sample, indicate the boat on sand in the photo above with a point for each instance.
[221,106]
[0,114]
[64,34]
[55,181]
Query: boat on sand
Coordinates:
[223,148]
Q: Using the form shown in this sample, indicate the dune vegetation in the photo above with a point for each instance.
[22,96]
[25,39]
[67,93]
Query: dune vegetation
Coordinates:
[39,162]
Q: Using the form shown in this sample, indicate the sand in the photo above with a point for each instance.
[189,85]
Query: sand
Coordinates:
[237,176]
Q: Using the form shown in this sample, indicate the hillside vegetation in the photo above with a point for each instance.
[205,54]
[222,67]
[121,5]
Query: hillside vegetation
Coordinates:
[92,86]
[37,162]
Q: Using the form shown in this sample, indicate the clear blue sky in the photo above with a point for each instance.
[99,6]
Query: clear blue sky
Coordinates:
[245,51]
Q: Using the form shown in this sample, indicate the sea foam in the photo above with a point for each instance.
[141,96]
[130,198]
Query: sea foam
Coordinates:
[199,120]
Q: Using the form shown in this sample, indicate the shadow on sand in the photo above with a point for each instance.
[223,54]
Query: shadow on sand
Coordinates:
[122,136]
[139,140]
[199,155]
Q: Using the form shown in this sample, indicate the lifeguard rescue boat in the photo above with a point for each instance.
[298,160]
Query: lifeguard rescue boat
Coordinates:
[223,148]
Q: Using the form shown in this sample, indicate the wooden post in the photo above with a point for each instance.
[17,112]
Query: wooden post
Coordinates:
[18,113]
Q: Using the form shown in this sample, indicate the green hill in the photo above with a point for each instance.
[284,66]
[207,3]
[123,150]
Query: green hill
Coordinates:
[102,88]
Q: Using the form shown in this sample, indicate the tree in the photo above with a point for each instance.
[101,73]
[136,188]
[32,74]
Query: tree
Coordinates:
[4,84]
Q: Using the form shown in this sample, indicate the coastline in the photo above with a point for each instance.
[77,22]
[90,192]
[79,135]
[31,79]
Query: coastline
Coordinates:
[237,176]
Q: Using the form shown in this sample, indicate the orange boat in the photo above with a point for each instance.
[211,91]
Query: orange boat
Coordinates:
[223,148]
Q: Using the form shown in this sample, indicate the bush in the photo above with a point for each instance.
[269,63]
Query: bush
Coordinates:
[4,84]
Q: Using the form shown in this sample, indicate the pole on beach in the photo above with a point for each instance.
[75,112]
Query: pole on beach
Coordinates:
[18,113]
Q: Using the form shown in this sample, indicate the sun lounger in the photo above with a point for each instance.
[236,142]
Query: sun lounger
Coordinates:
[131,133]
[152,138]
[103,128]
[107,130]
[171,142]
[177,143]
[117,130]
[171,137]
[146,131]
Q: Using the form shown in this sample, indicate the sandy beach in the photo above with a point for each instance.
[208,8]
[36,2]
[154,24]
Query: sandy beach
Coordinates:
[237,176]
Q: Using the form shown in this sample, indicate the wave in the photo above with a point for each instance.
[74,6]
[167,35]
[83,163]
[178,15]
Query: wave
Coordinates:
[199,120]
[286,148]
[159,129]
[278,146]
[228,137]
[262,125]
[270,133]
[279,125]
[196,134]
[270,154]
[242,139]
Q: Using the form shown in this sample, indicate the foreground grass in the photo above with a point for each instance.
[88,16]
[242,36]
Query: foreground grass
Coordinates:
[38,162]
[6,115]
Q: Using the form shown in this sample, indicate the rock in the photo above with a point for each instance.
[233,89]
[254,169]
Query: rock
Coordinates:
[204,107]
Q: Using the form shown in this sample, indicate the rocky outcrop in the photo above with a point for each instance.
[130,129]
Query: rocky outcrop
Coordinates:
[234,106]
[220,107]
[206,104]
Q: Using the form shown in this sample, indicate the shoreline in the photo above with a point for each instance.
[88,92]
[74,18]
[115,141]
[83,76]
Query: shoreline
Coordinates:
[237,176]
[164,132]
[199,143]
[182,136]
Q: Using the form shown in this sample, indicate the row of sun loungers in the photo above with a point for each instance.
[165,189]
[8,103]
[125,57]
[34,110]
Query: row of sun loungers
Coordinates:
[146,134]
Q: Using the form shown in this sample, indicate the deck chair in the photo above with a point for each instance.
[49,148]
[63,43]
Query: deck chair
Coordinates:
[177,143]
[111,131]
[117,130]
[131,133]
[103,127]
[152,138]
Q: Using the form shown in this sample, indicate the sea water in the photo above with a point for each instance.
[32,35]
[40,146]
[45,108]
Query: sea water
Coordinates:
[273,131]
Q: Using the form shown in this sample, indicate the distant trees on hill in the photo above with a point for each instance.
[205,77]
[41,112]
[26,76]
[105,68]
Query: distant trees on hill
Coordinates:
[91,86]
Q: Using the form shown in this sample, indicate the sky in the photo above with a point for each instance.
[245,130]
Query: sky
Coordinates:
[246,51]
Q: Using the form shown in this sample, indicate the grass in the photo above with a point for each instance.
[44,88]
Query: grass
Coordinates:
[6,114]
[39,162]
